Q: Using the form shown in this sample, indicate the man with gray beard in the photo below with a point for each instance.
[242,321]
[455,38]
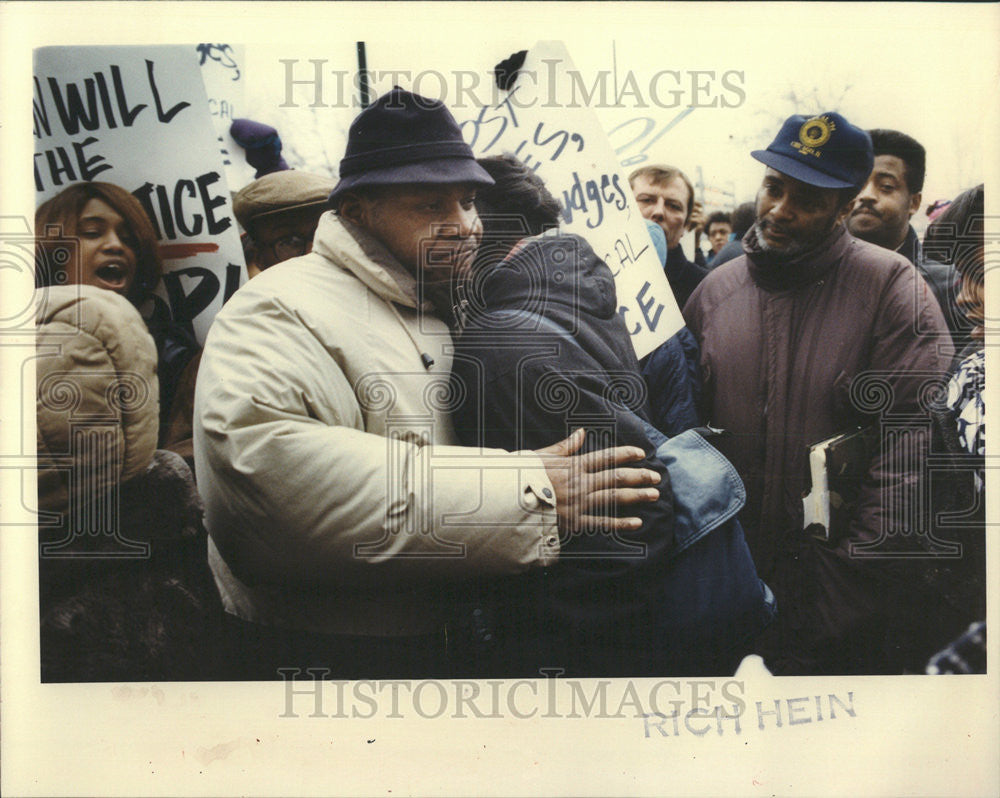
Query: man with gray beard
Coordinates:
[785,329]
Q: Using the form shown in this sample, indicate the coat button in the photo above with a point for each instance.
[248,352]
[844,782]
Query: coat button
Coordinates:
[547,493]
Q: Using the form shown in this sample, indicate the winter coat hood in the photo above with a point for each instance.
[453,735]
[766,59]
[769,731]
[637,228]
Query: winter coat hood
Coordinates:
[558,275]
[367,258]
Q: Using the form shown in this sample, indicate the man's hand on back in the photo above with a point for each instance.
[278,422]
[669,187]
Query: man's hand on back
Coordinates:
[590,486]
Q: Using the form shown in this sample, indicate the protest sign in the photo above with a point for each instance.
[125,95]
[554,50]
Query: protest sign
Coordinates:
[565,144]
[224,74]
[139,117]
[331,737]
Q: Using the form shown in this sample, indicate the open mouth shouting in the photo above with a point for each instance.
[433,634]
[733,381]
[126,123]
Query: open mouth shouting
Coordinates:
[108,249]
[114,275]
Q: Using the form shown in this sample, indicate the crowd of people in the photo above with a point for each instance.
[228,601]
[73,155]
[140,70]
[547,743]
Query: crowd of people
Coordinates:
[418,442]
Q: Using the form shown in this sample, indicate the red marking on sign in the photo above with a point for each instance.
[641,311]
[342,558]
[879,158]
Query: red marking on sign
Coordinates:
[179,251]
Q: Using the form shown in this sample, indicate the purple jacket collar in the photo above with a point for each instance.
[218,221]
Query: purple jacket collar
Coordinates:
[775,273]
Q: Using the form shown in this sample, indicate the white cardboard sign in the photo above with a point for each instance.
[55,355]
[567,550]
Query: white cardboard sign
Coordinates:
[223,70]
[567,147]
[139,117]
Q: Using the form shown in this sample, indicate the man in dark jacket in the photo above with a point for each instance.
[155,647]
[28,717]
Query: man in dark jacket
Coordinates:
[743,218]
[718,229]
[882,213]
[810,334]
[666,196]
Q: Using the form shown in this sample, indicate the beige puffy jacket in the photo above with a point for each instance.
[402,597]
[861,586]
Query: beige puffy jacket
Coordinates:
[97,394]
[335,496]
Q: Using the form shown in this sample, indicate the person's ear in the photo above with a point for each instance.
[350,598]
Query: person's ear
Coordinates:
[354,208]
[845,209]
[915,202]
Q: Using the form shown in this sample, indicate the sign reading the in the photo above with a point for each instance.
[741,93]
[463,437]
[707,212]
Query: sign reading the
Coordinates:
[139,117]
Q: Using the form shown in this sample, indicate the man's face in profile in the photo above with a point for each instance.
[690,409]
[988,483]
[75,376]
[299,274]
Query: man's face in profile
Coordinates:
[432,229]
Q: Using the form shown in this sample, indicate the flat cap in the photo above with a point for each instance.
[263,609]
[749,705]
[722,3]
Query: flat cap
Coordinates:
[281,191]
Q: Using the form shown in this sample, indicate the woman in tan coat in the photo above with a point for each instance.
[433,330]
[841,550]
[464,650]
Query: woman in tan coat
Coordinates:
[98,234]
[125,591]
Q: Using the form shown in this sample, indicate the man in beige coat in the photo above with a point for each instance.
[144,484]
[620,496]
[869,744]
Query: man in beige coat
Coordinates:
[345,523]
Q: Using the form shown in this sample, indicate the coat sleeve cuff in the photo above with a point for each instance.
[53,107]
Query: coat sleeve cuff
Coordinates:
[540,496]
[500,505]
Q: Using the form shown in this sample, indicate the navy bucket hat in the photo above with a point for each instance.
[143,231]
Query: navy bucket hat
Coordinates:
[823,150]
[405,138]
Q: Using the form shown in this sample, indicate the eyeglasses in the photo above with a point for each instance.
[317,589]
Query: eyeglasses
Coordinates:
[289,247]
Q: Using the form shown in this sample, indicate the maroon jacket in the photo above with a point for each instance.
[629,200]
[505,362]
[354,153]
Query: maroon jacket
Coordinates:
[780,345]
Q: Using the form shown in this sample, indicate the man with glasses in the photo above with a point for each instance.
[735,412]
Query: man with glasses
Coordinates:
[280,212]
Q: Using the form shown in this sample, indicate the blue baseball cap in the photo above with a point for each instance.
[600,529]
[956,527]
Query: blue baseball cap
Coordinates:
[823,150]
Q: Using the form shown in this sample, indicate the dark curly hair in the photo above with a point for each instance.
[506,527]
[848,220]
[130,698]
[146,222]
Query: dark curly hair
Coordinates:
[516,206]
[910,151]
[719,217]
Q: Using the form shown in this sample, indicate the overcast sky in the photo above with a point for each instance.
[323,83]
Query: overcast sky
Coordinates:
[929,70]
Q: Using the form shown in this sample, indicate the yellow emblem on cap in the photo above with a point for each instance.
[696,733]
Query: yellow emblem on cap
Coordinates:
[816,132]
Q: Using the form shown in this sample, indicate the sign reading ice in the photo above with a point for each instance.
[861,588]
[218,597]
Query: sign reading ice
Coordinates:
[139,117]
